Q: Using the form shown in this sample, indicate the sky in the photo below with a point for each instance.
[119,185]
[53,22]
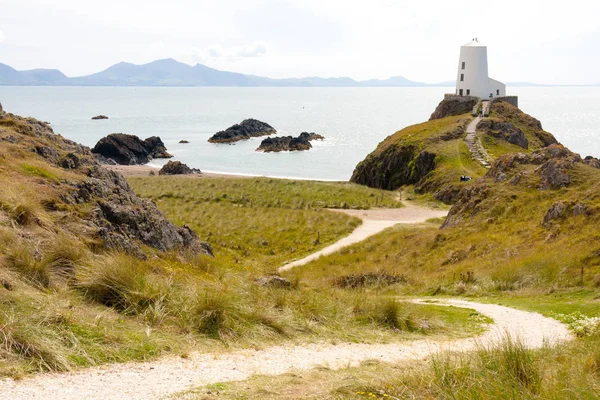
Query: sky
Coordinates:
[547,42]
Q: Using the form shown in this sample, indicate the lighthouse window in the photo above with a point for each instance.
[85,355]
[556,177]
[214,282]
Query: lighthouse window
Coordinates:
[468,92]
[463,65]
[462,77]
[497,92]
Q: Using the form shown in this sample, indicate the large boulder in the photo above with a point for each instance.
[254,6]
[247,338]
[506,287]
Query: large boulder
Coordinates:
[454,106]
[177,168]
[122,218]
[289,143]
[244,130]
[127,149]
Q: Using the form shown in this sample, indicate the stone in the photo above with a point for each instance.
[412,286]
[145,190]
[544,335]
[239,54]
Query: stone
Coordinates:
[100,117]
[70,161]
[177,168]
[503,131]
[553,174]
[184,141]
[127,149]
[555,212]
[289,143]
[580,209]
[274,281]
[242,131]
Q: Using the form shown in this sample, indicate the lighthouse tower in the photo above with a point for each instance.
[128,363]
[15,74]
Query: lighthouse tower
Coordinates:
[472,77]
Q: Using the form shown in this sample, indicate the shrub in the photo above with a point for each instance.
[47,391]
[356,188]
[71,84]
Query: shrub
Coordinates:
[29,263]
[40,347]
[392,314]
[126,284]
[378,279]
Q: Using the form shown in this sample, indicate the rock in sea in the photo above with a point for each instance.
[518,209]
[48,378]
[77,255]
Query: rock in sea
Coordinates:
[242,131]
[289,143]
[177,168]
[129,149]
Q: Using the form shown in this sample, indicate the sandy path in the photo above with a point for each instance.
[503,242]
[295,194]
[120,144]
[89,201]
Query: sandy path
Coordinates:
[154,380]
[374,221]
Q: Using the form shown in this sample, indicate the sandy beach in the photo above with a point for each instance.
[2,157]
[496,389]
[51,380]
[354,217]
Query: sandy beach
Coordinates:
[145,170]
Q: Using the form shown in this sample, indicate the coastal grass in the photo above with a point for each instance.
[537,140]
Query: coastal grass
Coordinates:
[260,224]
[64,304]
[264,192]
[504,247]
[506,370]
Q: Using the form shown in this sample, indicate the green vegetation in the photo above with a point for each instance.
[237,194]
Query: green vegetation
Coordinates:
[264,192]
[506,371]
[66,301]
[260,224]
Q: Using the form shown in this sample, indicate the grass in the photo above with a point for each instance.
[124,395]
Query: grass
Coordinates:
[507,370]
[268,222]
[501,239]
[264,192]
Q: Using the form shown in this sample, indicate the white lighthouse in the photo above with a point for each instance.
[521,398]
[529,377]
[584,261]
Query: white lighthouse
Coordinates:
[472,77]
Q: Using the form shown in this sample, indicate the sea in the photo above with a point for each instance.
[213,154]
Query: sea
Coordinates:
[353,120]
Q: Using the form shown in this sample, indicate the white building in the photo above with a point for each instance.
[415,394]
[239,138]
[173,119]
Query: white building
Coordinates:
[472,78]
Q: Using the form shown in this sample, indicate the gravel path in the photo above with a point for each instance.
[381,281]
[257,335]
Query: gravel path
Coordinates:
[155,380]
[374,221]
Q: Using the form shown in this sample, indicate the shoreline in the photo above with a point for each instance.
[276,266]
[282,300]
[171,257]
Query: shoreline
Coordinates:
[144,170]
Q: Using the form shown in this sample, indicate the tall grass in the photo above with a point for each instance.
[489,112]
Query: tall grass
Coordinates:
[264,192]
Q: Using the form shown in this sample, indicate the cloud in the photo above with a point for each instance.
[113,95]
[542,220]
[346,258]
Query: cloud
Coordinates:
[217,52]
[254,50]
[2,36]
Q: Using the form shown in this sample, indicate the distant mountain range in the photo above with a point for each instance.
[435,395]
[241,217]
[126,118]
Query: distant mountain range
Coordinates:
[169,72]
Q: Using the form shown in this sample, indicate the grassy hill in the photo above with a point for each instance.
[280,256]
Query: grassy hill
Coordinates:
[433,155]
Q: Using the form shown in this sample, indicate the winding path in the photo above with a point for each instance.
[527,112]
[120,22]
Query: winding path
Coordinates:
[157,379]
[374,221]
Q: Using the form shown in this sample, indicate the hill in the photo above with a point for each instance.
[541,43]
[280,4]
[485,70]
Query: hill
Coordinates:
[433,155]
[169,72]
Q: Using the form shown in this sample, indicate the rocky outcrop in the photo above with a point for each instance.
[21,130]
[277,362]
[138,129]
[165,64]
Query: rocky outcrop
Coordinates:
[103,210]
[394,167]
[555,211]
[245,130]
[503,131]
[594,162]
[129,149]
[289,143]
[177,168]
[183,141]
[454,106]
[551,165]
[122,218]
[100,117]
[504,112]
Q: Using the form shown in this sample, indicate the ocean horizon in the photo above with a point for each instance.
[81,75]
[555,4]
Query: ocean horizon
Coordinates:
[353,120]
